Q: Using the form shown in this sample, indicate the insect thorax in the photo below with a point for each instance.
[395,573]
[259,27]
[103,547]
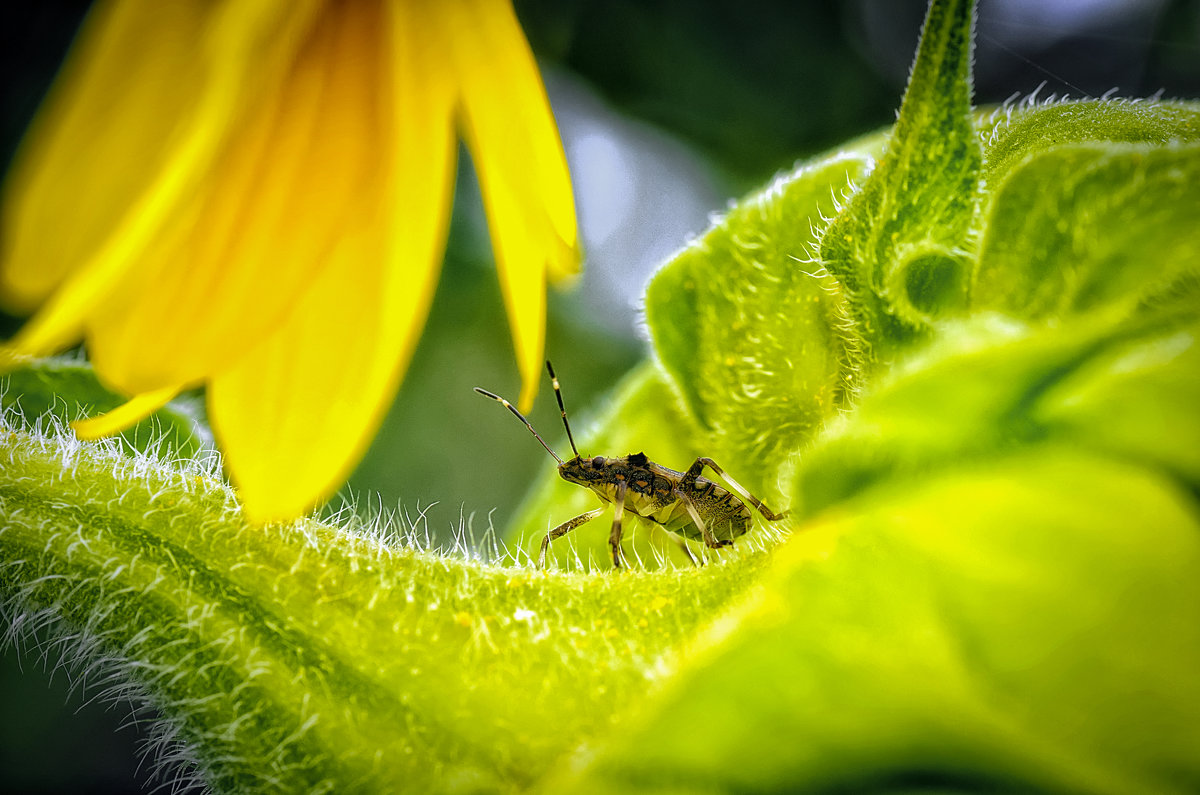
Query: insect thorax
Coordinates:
[645,490]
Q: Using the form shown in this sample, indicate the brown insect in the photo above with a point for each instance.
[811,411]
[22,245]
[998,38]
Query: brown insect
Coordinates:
[682,502]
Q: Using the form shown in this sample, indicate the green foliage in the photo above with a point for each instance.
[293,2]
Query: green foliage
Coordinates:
[900,249]
[745,292]
[963,353]
[1024,623]
[1060,206]
[62,390]
[314,658]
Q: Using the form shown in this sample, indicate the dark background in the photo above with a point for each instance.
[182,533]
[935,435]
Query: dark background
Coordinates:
[702,101]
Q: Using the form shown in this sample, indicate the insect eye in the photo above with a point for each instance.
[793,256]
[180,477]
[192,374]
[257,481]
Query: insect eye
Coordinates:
[597,462]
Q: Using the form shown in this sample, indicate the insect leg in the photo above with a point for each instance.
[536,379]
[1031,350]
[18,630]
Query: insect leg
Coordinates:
[689,479]
[562,530]
[614,539]
[709,539]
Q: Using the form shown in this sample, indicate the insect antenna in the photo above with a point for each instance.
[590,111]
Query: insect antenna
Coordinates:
[561,407]
[521,417]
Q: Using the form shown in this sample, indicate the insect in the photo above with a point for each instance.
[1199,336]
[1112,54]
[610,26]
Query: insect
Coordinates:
[681,502]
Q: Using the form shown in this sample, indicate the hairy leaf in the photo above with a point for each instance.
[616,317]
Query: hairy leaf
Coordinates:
[1025,623]
[901,247]
[67,390]
[311,658]
[1084,227]
[750,332]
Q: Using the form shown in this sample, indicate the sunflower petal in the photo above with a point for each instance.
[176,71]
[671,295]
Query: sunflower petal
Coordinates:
[131,128]
[509,124]
[522,170]
[124,416]
[523,285]
[295,414]
[76,140]
[297,174]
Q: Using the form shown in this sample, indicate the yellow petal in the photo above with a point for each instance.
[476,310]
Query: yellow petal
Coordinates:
[522,170]
[130,129]
[523,285]
[94,131]
[509,124]
[296,413]
[303,167]
[124,416]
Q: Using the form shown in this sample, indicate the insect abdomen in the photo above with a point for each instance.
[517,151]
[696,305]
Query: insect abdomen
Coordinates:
[725,515]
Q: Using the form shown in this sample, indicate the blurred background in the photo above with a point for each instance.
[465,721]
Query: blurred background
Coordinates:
[668,110]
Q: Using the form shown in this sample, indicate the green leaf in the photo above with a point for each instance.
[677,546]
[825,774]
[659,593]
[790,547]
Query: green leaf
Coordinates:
[901,247]
[996,581]
[992,385]
[1013,134]
[1083,227]
[307,658]
[1023,624]
[1134,399]
[752,336]
[63,390]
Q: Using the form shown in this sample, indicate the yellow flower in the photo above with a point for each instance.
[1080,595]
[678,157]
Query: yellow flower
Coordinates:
[254,195]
